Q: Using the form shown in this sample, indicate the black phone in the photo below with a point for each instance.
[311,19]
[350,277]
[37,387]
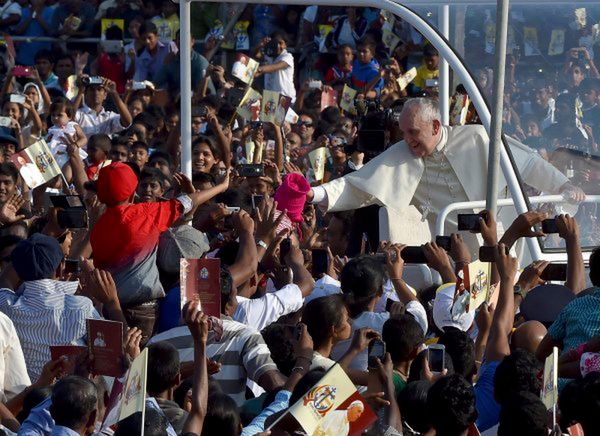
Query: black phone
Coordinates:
[284,249]
[436,356]
[71,266]
[67,201]
[488,254]
[556,272]
[549,226]
[376,351]
[72,218]
[320,262]
[469,222]
[251,170]
[414,254]
[388,304]
[256,200]
[444,242]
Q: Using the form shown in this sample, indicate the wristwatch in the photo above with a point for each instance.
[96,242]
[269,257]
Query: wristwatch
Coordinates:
[518,290]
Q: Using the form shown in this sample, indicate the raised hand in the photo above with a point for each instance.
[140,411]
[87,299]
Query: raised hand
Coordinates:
[9,210]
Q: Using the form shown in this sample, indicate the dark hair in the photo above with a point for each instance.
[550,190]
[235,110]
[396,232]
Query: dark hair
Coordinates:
[320,315]
[362,280]
[451,405]
[589,83]
[214,149]
[159,154]
[34,397]
[430,51]
[222,416]
[412,400]
[306,382]
[62,56]
[281,35]
[595,267]
[212,101]
[235,198]
[367,42]
[282,350]
[74,398]
[226,287]
[9,240]
[139,144]
[461,349]
[199,177]
[155,424]
[568,403]
[62,104]
[516,373]
[43,54]
[347,218]
[154,174]
[9,169]
[402,336]
[100,141]
[148,27]
[114,33]
[331,115]
[589,403]
[181,391]
[146,119]
[523,411]
[163,368]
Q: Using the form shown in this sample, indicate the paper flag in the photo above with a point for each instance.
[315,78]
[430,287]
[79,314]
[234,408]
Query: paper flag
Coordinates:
[317,161]
[36,164]
[249,107]
[406,78]
[244,68]
[549,394]
[270,100]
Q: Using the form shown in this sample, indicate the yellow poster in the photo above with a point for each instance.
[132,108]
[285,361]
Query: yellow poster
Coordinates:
[477,279]
[557,42]
[107,23]
[317,161]
[347,100]
[530,40]
[133,397]
[549,392]
[406,78]
[268,108]
[250,105]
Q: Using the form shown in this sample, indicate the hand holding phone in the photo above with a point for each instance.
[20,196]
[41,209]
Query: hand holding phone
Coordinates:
[320,262]
[554,272]
[470,221]
[444,242]
[488,253]
[376,351]
[549,226]
[436,357]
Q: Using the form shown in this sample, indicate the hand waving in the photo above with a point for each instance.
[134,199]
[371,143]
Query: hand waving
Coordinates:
[9,210]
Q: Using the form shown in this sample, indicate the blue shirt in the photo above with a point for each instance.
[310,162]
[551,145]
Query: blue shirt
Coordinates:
[147,65]
[363,74]
[487,407]
[39,422]
[281,402]
[578,322]
[27,50]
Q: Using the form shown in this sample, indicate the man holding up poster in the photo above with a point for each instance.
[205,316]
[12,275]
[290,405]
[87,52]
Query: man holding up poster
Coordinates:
[432,167]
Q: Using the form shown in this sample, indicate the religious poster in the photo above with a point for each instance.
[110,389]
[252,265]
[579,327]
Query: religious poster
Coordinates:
[549,394]
[36,164]
[244,68]
[318,157]
[249,107]
[406,78]
[240,32]
[347,100]
[389,38]
[268,108]
[201,282]
[530,41]
[291,116]
[328,98]
[459,109]
[557,42]
[282,109]
[105,340]
[332,406]
[133,396]
[324,30]
[580,18]
[477,283]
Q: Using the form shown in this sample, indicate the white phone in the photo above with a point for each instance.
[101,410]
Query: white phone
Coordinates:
[315,84]
[436,356]
[5,121]
[136,86]
[17,98]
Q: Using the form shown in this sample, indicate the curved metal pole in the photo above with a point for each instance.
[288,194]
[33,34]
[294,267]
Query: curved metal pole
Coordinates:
[497,106]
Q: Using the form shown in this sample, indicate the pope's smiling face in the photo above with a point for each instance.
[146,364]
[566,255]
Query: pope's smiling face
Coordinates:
[421,135]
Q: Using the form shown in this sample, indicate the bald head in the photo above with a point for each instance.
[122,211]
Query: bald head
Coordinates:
[528,336]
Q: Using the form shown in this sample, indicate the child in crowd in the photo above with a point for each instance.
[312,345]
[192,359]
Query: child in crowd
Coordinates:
[338,75]
[61,115]
[366,72]
[139,154]
[98,148]
[428,72]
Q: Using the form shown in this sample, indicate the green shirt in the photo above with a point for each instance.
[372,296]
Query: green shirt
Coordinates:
[399,383]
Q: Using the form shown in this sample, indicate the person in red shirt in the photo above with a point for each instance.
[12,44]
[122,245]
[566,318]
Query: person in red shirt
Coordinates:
[338,75]
[125,238]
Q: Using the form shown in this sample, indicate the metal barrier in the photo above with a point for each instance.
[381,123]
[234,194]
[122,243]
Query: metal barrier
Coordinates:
[21,38]
[469,205]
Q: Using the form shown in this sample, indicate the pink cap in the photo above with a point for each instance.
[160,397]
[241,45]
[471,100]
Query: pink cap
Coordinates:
[291,195]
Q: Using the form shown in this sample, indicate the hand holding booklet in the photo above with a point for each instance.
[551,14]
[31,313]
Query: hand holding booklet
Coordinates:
[105,340]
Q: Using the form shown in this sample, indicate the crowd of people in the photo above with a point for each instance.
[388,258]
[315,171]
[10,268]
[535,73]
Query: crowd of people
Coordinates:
[306,282]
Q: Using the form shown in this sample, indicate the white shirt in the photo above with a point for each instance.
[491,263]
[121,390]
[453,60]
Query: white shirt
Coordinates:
[10,8]
[92,122]
[260,312]
[13,372]
[335,423]
[375,321]
[282,81]
[321,362]
[324,287]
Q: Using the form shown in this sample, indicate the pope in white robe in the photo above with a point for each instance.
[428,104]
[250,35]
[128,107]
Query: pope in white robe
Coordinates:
[337,422]
[432,167]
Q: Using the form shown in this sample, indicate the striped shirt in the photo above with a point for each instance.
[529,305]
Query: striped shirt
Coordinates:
[242,353]
[46,312]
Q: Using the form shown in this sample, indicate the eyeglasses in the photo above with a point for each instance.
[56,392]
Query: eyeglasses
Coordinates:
[304,123]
